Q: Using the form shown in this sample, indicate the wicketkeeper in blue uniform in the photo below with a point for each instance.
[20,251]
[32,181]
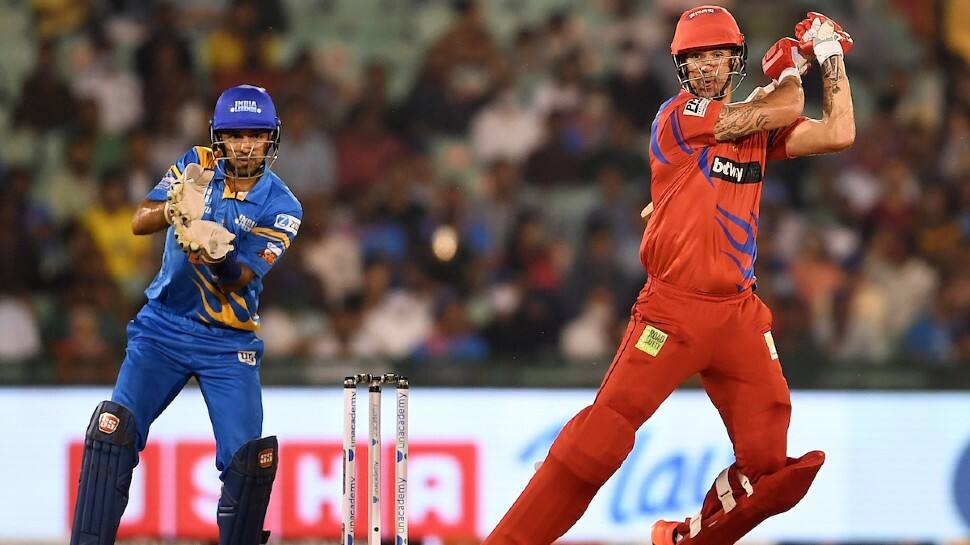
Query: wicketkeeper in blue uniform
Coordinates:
[228,219]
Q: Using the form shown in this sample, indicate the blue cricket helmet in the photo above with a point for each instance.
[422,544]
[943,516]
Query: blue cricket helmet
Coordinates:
[246,107]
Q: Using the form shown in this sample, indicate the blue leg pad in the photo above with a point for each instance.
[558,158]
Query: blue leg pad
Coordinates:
[246,487]
[106,466]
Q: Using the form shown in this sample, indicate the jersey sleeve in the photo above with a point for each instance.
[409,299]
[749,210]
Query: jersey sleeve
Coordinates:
[695,119]
[199,154]
[266,243]
[778,139]
[683,125]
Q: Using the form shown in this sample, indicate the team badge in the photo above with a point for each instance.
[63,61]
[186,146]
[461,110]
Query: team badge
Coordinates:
[268,256]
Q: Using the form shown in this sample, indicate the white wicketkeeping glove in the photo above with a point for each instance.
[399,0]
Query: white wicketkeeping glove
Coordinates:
[185,200]
[204,240]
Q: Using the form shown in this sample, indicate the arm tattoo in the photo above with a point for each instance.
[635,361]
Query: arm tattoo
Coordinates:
[737,120]
[831,77]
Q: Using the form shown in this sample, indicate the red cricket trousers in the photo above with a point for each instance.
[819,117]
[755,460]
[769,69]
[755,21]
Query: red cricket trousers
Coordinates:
[672,334]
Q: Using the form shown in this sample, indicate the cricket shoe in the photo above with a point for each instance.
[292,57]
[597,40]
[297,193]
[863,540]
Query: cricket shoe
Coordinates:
[664,532]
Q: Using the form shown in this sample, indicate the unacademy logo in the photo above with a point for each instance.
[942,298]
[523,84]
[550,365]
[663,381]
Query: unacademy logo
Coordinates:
[246,106]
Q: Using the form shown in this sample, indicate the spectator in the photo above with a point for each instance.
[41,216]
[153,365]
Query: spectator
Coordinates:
[19,331]
[452,339]
[324,97]
[906,280]
[57,18]
[364,148]
[46,101]
[597,265]
[109,223]
[84,354]
[504,129]
[169,87]
[589,336]
[27,236]
[634,90]
[228,48]
[554,162]
[72,188]
[955,156]
[332,254]
[395,321]
[107,149]
[140,176]
[116,91]
[565,91]
[164,31]
[308,166]
[457,77]
[817,281]
[937,231]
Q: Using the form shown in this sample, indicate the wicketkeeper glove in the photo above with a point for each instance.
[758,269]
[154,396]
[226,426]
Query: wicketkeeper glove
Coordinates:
[783,59]
[820,36]
[204,240]
[185,199]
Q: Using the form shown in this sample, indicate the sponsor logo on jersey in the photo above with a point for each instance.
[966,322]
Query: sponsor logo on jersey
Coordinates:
[697,107]
[287,223]
[250,106]
[245,223]
[737,173]
[247,356]
[108,423]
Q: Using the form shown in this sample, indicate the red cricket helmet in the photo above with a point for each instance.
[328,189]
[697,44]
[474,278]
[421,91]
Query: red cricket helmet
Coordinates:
[708,27]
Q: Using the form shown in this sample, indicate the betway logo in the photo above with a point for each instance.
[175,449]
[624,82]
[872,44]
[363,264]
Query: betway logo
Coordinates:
[175,490]
[737,173]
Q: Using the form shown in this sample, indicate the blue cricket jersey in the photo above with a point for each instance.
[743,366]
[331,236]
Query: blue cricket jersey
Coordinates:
[265,221]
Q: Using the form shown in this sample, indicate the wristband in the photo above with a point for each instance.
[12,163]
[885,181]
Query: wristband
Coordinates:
[824,50]
[789,72]
[226,271]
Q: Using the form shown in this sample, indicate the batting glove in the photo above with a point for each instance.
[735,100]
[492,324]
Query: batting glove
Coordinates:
[820,36]
[783,59]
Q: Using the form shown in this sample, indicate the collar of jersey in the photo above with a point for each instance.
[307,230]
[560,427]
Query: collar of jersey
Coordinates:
[256,195]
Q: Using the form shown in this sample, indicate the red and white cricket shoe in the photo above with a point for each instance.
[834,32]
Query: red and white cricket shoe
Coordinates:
[664,532]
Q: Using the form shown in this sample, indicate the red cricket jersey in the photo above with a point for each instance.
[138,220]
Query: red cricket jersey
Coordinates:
[706,197]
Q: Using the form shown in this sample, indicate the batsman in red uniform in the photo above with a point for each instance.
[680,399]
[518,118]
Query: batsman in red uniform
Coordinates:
[698,312]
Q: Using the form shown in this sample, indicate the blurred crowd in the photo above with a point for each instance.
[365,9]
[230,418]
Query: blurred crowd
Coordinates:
[472,189]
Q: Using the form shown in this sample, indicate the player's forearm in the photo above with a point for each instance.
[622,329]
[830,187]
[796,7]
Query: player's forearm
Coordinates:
[837,114]
[149,218]
[774,110]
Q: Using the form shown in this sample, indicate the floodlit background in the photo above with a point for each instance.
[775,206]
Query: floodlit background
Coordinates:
[471,175]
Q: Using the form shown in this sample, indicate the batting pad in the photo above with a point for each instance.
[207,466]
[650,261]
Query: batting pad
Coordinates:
[245,493]
[106,466]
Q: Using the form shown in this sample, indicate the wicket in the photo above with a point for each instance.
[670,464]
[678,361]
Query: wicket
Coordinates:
[374,383]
